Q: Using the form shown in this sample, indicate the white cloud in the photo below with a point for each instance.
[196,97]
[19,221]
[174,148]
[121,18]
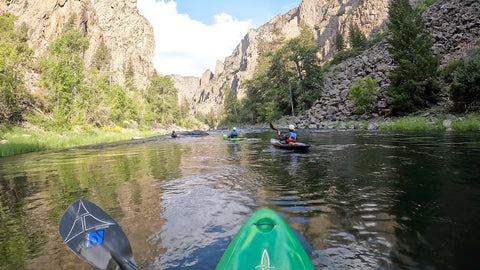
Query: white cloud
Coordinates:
[188,47]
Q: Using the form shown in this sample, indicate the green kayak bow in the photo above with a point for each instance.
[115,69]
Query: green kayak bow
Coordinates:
[264,242]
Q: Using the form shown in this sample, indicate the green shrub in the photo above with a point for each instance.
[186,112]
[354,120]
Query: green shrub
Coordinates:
[14,57]
[465,89]
[422,5]
[345,54]
[364,93]
[448,72]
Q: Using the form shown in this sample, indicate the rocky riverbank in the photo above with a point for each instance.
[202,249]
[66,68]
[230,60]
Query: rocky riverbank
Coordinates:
[427,120]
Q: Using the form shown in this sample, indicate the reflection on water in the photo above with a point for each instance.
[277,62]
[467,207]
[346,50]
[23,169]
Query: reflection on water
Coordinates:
[356,200]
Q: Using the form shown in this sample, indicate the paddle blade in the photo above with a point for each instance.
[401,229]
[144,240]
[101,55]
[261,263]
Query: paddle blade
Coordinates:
[94,236]
[272,127]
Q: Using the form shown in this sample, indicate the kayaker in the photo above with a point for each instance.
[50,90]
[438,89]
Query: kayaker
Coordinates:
[290,137]
[174,134]
[233,134]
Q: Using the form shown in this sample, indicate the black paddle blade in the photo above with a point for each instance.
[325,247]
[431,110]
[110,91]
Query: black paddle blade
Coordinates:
[95,236]
[272,127]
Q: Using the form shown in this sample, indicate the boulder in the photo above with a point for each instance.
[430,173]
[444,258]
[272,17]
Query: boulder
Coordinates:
[447,123]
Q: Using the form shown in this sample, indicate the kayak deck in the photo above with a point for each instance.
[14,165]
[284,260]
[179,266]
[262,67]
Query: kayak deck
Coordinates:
[265,241]
[225,137]
[291,146]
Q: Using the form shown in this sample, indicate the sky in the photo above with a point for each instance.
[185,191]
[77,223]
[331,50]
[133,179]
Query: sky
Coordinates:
[191,35]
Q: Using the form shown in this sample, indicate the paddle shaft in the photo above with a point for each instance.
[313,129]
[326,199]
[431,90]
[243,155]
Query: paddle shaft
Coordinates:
[123,263]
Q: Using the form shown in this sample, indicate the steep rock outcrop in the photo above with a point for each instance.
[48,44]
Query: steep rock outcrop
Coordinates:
[185,83]
[454,26]
[326,18]
[334,103]
[117,23]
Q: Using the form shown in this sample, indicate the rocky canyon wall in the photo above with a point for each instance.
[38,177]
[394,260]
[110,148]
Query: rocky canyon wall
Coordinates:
[455,28]
[453,24]
[326,18]
[117,23]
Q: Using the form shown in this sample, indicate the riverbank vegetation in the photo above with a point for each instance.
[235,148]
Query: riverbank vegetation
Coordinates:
[73,103]
[464,122]
[17,140]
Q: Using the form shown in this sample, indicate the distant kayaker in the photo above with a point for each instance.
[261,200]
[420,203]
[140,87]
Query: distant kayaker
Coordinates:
[233,134]
[174,134]
[290,137]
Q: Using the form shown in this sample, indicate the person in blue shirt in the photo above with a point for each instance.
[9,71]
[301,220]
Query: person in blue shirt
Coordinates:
[234,133]
[291,137]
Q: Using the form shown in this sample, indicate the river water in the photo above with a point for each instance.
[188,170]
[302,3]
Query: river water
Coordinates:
[357,200]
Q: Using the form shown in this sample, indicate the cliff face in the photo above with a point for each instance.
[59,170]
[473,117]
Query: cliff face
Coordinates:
[454,26]
[326,18]
[117,23]
[182,82]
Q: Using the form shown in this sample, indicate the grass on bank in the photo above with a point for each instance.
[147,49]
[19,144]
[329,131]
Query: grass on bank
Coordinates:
[470,122]
[18,140]
[412,123]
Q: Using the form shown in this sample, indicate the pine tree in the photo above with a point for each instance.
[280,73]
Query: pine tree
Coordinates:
[339,42]
[414,83]
[357,38]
